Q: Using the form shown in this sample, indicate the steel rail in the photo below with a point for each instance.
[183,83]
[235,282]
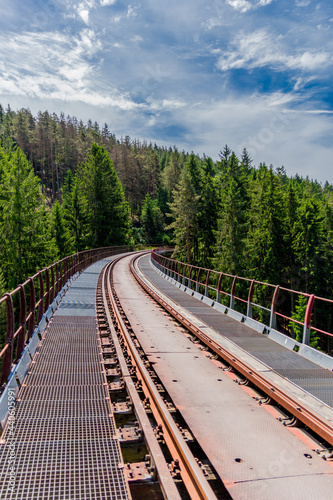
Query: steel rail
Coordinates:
[193,478]
[173,269]
[291,404]
[166,482]
[24,320]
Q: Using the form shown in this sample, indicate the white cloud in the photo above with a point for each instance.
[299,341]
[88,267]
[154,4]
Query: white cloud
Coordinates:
[131,12]
[164,104]
[108,2]
[302,82]
[84,14]
[241,5]
[81,9]
[302,3]
[137,38]
[245,5]
[56,66]
[258,49]
[270,131]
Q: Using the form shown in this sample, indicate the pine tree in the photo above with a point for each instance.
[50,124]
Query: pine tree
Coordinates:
[2,311]
[184,211]
[151,218]
[232,216]
[308,245]
[265,249]
[207,216]
[24,221]
[60,232]
[107,212]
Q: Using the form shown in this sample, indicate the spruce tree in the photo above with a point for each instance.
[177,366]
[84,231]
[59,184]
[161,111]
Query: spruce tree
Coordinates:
[207,216]
[24,221]
[308,245]
[232,216]
[184,211]
[265,249]
[151,218]
[107,212]
[60,232]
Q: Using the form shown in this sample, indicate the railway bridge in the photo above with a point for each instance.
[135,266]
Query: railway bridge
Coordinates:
[129,375]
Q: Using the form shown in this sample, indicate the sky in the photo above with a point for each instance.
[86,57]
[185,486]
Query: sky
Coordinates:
[195,74]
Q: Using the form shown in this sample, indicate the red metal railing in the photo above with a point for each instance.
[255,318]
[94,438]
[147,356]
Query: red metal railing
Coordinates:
[24,311]
[270,304]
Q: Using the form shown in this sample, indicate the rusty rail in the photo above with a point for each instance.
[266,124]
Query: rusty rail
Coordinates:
[291,404]
[24,311]
[166,482]
[193,478]
[255,299]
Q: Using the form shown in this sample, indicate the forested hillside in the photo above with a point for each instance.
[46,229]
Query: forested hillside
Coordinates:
[66,186]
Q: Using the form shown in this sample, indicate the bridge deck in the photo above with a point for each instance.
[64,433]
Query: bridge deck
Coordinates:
[62,443]
[312,378]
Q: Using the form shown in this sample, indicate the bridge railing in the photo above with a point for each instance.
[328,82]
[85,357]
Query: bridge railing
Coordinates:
[22,309]
[301,316]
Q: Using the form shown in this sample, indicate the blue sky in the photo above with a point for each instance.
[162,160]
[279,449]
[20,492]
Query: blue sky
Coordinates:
[196,74]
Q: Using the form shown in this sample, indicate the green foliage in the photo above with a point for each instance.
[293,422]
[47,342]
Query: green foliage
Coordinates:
[298,314]
[207,213]
[60,232]
[184,211]
[264,244]
[75,215]
[243,220]
[107,212]
[231,224]
[24,220]
[308,244]
[2,310]
[151,218]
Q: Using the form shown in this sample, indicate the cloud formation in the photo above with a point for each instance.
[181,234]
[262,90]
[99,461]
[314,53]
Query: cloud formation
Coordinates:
[259,49]
[245,5]
[191,73]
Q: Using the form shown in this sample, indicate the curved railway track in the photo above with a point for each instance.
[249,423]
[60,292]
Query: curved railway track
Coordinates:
[114,324]
[293,406]
[171,462]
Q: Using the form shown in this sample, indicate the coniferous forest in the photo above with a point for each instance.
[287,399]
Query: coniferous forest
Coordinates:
[66,186]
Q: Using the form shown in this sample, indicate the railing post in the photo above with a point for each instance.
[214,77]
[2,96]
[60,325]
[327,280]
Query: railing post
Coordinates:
[52,291]
[197,288]
[249,300]
[163,266]
[68,269]
[171,269]
[63,273]
[184,272]
[232,293]
[8,356]
[23,316]
[307,320]
[178,271]
[272,319]
[76,263]
[41,296]
[32,312]
[206,284]
[218,297]
[57,279]
[47,292]
[189,282]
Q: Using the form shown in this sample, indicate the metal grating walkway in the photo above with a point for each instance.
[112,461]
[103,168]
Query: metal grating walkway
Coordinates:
[64,443]
[310,377]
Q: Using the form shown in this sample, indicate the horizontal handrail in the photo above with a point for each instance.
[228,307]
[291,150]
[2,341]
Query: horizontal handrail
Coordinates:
[246,295]
[26,304]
